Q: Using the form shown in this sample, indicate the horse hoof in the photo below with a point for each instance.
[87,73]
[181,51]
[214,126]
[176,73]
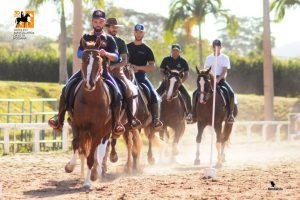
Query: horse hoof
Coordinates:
[113,157]
[128,170]
[151,161]
[69,168]
[197,162]
[219,165]
[175,152]
[87,186]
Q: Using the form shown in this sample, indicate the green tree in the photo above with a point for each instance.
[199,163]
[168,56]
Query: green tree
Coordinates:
[280,6]
[192,13]
[62,37]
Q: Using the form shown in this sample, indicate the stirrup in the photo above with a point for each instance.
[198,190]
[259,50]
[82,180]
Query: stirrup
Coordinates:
[230,119]
[157,124]
[54,123]
[119,129]
[135,123]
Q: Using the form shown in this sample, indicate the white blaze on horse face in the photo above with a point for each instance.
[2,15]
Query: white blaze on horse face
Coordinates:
[171,87]
[89,70]
[202,83]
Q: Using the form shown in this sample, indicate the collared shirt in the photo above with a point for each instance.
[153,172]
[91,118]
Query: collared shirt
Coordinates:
[217,63]
[177,64]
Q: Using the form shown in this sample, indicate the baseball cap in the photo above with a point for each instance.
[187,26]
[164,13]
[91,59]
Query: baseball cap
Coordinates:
[139,27]
[176,46]
[99,14]
[217,43]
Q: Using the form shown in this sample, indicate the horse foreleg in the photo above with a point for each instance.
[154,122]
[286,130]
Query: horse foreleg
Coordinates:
[104,163]
[101,151]
[218,129]
[70,166]
[136,150]
[113,154]
[90,162]
[148,132]
[129,143]
[198,141]
[82,159]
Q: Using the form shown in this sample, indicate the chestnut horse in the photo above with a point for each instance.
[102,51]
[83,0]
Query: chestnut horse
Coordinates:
[132,137]
[91,120]
[204,104]
[172,108]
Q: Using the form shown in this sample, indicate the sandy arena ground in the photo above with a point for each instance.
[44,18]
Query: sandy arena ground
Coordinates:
[246,175]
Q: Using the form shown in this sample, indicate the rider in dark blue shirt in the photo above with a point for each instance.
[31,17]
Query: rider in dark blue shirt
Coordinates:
[109,52]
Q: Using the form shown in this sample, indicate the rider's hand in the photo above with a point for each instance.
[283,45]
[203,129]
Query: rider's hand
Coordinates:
[102,52]
[134,67]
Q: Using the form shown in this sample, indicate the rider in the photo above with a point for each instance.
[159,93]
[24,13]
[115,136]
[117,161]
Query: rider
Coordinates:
[142,60]
[223,64]
[116,69]
[108,51]
[177,62]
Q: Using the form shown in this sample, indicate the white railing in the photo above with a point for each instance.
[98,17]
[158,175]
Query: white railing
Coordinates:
[265,125]
[37,127]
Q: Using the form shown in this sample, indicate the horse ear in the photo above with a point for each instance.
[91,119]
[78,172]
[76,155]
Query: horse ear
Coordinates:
[198,72]
[98,42]
[83,42]
[208,71]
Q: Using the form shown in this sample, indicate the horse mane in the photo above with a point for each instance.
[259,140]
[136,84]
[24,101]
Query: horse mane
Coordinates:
[206,72]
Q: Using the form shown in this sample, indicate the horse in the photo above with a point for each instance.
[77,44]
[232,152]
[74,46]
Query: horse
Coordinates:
[25,19]
[172,108]
[92,118]
[204,105]
[132,137]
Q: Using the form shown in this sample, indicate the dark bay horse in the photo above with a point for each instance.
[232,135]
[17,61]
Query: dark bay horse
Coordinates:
[172,108]
[204,105]
[91,120]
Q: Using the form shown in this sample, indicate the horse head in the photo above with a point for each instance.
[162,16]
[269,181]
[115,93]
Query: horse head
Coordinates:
[205,81]
[173,80]
[91,67]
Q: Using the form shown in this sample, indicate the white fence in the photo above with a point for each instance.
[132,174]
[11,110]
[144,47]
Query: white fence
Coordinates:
[37,127]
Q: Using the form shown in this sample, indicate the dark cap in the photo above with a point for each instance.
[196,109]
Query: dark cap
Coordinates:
[112,22]
[99,14]
[216,43]
[176,46]
[139,27]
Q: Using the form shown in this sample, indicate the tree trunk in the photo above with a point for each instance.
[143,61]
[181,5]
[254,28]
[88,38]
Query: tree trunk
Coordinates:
[77,32]
[200,48]
[63,47]
[268,69]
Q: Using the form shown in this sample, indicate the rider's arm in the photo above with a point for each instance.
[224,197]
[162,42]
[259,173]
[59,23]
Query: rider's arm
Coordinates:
[185,66]
[122,63]
[147,68]
[185,76]
[80,50]
[162,68]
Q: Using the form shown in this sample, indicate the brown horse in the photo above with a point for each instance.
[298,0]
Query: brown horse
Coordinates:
[91,120]
[132,137]
[172,108]
[204,104]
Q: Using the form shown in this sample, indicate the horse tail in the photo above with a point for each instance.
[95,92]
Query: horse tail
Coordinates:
[227,132]
[85,143]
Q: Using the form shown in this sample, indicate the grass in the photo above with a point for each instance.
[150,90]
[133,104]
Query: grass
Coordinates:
[250,106]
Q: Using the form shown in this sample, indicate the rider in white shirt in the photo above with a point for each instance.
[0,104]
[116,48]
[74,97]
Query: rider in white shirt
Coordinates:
[220,69]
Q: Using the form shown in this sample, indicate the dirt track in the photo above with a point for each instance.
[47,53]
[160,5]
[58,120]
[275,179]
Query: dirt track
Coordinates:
[246,175]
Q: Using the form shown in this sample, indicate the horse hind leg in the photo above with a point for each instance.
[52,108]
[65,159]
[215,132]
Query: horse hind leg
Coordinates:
[148,132]
[226,133]
[198,141]
[218,129]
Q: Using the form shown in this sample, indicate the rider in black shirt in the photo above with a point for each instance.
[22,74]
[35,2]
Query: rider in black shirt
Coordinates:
[176,62]
[141,59]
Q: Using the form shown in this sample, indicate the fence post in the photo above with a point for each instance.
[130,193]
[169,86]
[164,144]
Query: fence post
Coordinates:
[6,140]
[65,138]
[36,145]
[264,132]
[249,132]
